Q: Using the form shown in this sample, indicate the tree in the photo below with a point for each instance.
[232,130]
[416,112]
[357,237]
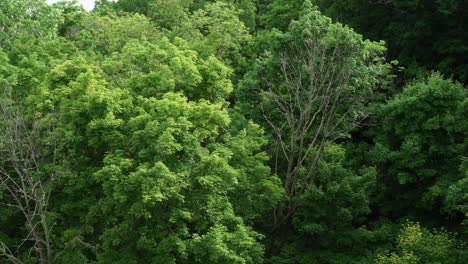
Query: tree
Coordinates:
[25,180]
[103,35]
[231,131]
[419,245]
[406,26]
[279,14]
[166,14]
[26,18]
[26,176]
[329,225]
[30,40]
[316,84]
[151,167]
[146,135]
[423,124]
[224,33]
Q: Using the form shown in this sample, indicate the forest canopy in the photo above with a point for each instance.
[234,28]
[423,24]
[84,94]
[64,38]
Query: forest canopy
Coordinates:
[278,132]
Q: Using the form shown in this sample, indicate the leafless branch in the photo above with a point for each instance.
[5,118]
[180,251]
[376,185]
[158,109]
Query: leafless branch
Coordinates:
[313,104]
[27,185]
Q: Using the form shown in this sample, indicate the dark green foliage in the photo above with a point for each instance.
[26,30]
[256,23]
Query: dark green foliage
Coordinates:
[175,131]
[279,14]
[422,35]
[329,224]
[421,144]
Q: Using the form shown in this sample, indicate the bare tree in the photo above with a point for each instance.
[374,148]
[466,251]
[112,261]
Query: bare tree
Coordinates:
[26,185]
[314,103]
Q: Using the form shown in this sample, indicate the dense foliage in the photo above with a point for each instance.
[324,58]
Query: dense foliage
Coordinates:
[184,131]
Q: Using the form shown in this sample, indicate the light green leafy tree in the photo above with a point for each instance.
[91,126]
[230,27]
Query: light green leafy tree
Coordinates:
[418,245]
[147,132]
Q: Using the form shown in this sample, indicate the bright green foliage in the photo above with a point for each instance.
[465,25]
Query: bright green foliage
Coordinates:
[146,130]
[23,19]
[165,176]
[246,9]
[361,59]
[225,247]
[29,38]
[154,125]
[134,6]
[107,34]
[150,167]
[7,71]
[72,17]
[168,14]
[211,27]
[418,245]
[154,69]
[253,197]
[224,33]
[424,124]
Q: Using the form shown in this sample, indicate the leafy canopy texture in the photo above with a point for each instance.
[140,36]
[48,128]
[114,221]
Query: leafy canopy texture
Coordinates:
[419,245]
[311,87]
[233,131]
[147,160]
[407,25]
[422,143]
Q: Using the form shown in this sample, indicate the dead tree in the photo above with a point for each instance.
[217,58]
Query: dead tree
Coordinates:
[314,103]
[26,186]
